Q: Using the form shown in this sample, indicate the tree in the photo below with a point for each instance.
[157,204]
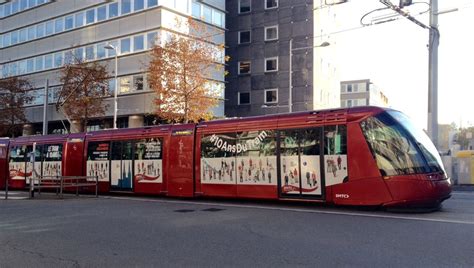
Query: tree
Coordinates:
[178,72]
[85,85]
[13,96]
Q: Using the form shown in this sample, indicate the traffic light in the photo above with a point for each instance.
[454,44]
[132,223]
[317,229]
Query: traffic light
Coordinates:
[404,3]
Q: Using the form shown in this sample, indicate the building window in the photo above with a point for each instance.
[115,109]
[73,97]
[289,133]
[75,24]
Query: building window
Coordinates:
[58,25]
[113,10]
[244,67]
[207,14]
[79,19]
[39,63]
[100,51]
[48,61]
[40,30]
[125,46]
[244,98]
[138,43]
[126,7]
[58,59]
[196,9]
[31,33]
[23,35]
[271,95]
[244,37]
[244,6]
[355,87]
[111,52]
[90,16]
[152,3]
[79,54]
[269,4]
[30,66]
[69,24]
[271,33]
[343,88]
[90,55]
[49,28]
[124,85]
[101,13]
[271,64]
[151,39]
[139,5]
[349,103]
[138,82]
[349,88]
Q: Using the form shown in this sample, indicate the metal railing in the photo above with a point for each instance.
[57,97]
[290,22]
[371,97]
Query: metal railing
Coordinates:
[60,183]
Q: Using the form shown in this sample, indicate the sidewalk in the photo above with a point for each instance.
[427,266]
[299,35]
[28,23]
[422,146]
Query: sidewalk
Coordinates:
[463,188]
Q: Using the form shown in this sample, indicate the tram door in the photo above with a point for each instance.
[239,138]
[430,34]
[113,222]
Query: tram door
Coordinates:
[300,163]
[121,166]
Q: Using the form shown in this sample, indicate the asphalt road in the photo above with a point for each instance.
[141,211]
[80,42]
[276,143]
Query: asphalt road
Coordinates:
[141,232]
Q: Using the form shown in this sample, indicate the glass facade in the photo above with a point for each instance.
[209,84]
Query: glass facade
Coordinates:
[98,14]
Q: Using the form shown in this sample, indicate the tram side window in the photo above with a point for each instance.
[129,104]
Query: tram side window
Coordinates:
[116,151]
[218,158]
[18,154]
[256,157]
[393,150]
[335,140]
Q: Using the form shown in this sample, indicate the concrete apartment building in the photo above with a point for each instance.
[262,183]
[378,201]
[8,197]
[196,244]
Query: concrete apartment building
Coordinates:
[259,36]
[37,37]
[362,92]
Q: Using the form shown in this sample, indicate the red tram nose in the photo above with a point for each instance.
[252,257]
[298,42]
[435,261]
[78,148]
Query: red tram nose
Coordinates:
[422,190]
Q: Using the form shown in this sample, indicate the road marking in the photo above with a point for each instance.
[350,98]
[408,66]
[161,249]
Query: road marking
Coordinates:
[317,211]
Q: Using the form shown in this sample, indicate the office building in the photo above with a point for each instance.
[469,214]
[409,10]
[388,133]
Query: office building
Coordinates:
[260,33]
[362,92]
[37,37]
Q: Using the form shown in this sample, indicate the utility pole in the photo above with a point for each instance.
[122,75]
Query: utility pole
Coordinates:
[433,73]
[432,63]
[45,108]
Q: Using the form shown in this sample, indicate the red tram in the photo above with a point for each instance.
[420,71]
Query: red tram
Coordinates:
[356,156]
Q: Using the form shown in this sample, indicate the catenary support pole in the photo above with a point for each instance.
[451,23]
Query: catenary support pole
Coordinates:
[433,74]
[45,108]
[290,71]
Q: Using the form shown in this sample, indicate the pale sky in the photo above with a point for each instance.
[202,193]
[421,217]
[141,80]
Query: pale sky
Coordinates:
[394,56]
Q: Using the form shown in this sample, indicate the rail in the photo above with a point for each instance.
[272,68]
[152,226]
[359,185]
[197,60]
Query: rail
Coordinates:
[60,183]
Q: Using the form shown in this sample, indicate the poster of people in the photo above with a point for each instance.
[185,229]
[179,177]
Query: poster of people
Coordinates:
[290,180]
[29,170]
[335,167]
[310,175]
[257,170]
[148,162]
[51,168]
[219,170]
[98,161]
[17,170]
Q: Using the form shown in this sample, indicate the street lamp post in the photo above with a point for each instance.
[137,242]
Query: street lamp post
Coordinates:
[290,70]
[111,47]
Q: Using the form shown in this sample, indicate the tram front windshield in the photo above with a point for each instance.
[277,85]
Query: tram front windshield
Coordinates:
[399,147]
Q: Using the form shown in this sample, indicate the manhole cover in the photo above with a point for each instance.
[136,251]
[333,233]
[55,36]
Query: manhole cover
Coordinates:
[184,210]
[213,209]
